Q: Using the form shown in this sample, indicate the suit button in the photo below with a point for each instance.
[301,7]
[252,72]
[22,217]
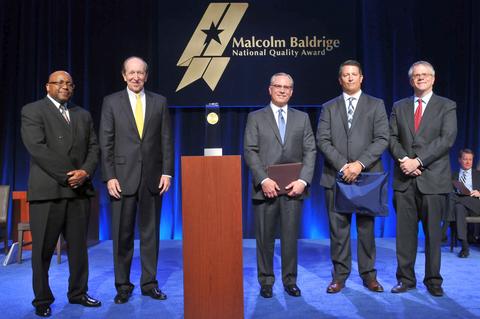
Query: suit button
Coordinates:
[60,137]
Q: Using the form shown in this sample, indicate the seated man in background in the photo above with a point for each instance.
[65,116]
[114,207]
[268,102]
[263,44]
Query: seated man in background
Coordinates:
[466,205]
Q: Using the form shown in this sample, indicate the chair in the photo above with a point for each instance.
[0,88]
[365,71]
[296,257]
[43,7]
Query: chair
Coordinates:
[4,199]
[23,227]
[469,220]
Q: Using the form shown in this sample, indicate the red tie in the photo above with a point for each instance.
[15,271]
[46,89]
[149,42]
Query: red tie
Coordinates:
[418,115]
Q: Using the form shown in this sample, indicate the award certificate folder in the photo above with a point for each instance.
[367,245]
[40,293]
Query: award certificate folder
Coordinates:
[284,174]
[461,188]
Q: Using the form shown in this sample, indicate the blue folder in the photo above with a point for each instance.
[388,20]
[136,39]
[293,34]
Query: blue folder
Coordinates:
[368,195]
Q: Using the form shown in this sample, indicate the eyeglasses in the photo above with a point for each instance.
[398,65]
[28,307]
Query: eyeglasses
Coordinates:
[63,83]
[284,87]
[421,75]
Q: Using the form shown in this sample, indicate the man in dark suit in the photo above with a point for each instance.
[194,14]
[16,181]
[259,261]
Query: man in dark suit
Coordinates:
[278,134]
[137,165]
[352,135]
[466,205]
[422,130]
[64,153]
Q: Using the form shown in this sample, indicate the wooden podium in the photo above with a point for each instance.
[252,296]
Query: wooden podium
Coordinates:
[212,237]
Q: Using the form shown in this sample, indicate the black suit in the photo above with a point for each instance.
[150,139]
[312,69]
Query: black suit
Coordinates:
[422,197]
[263,147]
[56,148]
[464,206]
[365,141]
[138,164]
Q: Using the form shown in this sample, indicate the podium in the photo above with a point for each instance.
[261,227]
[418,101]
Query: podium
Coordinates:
[212,237]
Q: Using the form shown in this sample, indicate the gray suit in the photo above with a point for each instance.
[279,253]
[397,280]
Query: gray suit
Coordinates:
[263,147]
[138,164]
[365,141]
[421,197]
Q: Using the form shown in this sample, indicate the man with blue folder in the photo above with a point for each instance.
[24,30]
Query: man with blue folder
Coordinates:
[352,135]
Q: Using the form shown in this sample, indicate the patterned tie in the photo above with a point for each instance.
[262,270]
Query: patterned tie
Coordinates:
[281,125]
[463,178]
[63,111]
[350,111]
[417,118]
[139,115]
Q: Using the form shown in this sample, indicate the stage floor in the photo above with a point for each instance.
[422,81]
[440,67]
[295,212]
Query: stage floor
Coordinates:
[461,285]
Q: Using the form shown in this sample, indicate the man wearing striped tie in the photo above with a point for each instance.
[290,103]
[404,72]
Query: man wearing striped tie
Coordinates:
[137,165]
[466,204]
[352,134]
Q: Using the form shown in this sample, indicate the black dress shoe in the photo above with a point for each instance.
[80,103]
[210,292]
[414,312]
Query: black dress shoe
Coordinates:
[266,291]
[464,253]
[43,311]
[293,290]
[155,293]
[86,301]
[401,287]
[435,290]
[122,297]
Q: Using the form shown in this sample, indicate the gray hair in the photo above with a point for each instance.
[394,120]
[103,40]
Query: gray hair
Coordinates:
[281,74]
[425,63]
[134,57]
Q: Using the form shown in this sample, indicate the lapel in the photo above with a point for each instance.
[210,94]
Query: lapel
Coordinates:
[342,108]
[291,118]
[66,129]
[127,110]
[409,114]
[475,178]
[270,118]
[148,111]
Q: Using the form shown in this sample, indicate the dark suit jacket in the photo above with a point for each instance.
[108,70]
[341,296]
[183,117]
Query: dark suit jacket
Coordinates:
[431,143]
[365,141]
[471,203]
[56,148]
[263,146]
[126,156]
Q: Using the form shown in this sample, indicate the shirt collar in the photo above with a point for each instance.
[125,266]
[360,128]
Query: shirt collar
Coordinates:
[56,103]
[425,98]
[133,94]
[356,95]
[276,108]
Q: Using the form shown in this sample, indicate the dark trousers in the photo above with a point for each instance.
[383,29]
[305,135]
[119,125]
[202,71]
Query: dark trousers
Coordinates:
[124,213]
[461,212]
[412,206]
[340,245]
[49,219]
[267,214]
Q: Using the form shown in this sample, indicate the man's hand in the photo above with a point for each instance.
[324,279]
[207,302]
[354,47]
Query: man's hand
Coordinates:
[296,188]
[164,184]
[409,165]
[76,178]
[416,173]
[270,188]
[113,187]
[475,193]
[351,171]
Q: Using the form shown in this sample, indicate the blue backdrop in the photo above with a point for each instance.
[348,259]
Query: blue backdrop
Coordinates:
[90,39]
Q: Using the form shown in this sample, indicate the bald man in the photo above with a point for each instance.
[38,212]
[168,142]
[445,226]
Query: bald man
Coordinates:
[60,138]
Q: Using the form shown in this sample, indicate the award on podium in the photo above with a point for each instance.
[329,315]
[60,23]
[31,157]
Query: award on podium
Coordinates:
[213,131]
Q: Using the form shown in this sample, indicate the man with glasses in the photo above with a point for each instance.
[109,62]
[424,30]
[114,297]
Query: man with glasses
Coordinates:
[352,134]
[423,127]
[137,165]
[64,153]
[278,134]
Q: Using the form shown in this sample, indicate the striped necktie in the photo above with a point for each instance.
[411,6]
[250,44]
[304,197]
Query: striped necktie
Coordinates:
[63,111]
[463,178]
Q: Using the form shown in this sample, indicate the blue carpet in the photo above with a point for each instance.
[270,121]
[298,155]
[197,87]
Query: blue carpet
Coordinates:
[461,285]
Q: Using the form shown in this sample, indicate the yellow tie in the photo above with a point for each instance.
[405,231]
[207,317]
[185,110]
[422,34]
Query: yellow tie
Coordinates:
[139,115]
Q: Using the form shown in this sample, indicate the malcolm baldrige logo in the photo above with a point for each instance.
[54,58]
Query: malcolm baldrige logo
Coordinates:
[203,55]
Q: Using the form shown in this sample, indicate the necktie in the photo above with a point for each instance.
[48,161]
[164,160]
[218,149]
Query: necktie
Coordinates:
[139,115]
[281,125]
[63,111]
[463,178]
[418,115]
[350,111]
